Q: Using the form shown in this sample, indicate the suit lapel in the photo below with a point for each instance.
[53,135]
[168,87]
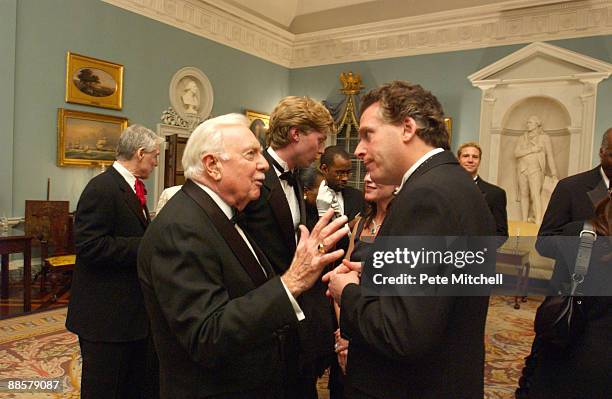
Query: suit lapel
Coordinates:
[130,197]
[598,193]
[280,206]
[228,232]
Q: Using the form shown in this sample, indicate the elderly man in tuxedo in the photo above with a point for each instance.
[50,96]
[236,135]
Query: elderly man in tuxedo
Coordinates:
[298,129]
[220,313]
[469,155]
[407,346]
[106,308]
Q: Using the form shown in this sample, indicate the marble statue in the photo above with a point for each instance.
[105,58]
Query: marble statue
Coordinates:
[534,156]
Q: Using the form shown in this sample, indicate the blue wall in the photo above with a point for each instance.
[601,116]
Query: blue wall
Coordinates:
[35,35]
[40,33]
[445,75]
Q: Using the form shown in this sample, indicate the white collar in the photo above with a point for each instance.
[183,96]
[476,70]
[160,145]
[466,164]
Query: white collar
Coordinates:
[604,177]
[126,174]
[218,200]
[278,159]
[418,163]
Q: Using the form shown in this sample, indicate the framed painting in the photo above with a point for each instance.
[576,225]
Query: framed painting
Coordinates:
[253,116]
[93,82]
[87,139]
[259,126]
[448,122]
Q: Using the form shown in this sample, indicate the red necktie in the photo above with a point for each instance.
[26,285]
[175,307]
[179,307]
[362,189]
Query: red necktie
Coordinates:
[141,192]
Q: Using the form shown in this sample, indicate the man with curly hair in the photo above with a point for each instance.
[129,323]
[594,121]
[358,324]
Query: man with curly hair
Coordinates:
[413,346]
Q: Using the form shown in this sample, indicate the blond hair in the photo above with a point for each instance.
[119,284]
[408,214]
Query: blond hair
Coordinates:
[469,144]
[303,113]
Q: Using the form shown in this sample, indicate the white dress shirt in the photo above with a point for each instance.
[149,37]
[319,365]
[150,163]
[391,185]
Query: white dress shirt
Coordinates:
[129,178]
[325,197]
[292,199]
[605,178]
[227,210]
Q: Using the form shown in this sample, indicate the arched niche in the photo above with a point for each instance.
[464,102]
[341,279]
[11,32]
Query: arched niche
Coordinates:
[556,122]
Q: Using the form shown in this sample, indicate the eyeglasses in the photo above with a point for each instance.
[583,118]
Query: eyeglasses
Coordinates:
[341,173]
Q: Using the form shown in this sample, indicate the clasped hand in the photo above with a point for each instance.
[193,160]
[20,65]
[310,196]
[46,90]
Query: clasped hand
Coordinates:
[346,273]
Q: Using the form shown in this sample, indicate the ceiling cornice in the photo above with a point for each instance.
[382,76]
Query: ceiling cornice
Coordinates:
[512,22]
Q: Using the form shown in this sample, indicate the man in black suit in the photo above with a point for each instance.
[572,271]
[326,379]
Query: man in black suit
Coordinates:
[573,200]
[298,129]
[106,308]
[220,313]
[469,155]
[401,346]
[334,191]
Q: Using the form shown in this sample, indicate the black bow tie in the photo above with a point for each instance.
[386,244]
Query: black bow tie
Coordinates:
[289,177]
[285,175]
[238,218]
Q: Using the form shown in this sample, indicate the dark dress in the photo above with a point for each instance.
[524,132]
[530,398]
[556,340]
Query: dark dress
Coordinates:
[360,252]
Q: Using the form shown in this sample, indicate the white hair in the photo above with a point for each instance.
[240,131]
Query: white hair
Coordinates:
[208,138]
[134,137]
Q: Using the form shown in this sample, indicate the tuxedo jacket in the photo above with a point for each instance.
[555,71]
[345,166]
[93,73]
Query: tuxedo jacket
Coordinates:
[573,200]
[269,222]
[106,302]
[218,321]
[496,200]
[421,347]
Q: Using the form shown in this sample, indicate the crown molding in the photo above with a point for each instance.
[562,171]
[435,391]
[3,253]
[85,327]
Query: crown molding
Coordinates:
[229,26]
[512,22]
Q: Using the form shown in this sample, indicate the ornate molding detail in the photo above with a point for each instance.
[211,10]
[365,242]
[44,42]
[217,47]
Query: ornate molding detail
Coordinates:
[229,26]
[486,26]
[511,22]
[172,118]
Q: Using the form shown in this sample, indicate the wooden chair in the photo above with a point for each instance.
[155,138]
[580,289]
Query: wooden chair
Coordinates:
[50,223]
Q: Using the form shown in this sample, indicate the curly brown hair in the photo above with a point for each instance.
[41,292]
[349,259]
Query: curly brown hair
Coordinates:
[399,100]
[304,113]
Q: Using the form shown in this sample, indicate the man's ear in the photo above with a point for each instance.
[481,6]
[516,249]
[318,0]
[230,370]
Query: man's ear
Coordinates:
[324,169]
[294,134]
[212,166]
[140,154]
[409,127]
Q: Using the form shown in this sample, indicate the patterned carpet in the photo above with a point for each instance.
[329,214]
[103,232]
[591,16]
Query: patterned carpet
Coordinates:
[38,346]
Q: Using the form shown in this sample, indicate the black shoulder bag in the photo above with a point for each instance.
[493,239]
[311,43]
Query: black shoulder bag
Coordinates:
[561,318]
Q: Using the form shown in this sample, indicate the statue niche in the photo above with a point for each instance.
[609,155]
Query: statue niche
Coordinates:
[536,140]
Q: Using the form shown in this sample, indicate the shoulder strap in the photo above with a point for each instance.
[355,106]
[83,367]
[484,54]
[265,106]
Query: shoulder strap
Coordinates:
[587,238]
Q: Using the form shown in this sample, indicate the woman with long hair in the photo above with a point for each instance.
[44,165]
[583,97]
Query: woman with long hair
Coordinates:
[377,197]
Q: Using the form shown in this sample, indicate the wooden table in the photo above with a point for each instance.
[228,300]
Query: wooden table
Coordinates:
[16,241]
[519,259]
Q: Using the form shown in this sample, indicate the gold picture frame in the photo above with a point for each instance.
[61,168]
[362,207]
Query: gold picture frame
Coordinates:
[448,122]
[94,82]
[254,115]
[87,139]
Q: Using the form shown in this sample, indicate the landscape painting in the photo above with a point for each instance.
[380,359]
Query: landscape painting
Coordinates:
[87,139]
[95,82]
